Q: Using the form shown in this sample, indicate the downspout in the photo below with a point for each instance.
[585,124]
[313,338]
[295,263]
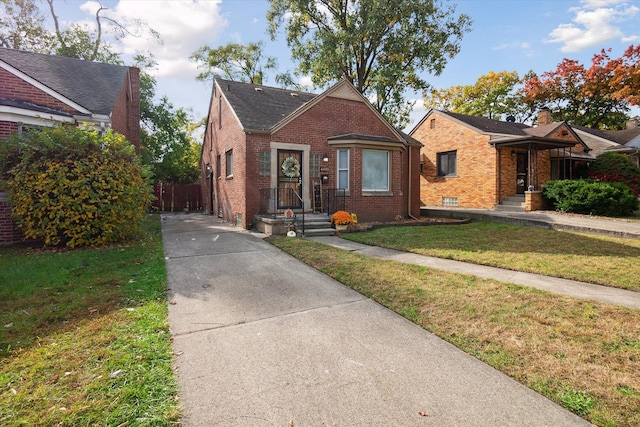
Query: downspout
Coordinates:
[499,154]
[409,188]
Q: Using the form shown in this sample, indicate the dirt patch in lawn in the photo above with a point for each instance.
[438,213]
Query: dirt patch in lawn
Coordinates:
[400,222]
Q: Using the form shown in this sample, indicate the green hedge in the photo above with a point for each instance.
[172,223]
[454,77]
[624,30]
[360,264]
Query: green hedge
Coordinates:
[72,187]
[591,197]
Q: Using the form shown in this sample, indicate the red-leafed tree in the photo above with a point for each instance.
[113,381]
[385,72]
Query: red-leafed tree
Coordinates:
[626,76]
[595,97]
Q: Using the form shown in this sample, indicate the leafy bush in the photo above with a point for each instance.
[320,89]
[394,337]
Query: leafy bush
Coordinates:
[591,197]
[72,187]
[616,167]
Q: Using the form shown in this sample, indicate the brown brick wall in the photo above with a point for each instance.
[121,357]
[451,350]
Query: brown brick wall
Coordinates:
[125,118]
[6,128]
[475,185]
[229,192]
[9,232]
[335,116]
[15,88]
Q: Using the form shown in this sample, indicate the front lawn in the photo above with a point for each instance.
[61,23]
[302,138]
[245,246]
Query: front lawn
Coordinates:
[583,355]
[602,260]
[84,336]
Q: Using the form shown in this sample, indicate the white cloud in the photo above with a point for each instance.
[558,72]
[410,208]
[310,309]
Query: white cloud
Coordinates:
[183,26]
[595,22]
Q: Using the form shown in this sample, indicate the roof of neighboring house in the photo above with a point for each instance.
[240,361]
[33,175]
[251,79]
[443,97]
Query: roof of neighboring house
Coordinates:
[27,105]
[515,134]
[618,136]
[93,85]
[261,107]
[490,125]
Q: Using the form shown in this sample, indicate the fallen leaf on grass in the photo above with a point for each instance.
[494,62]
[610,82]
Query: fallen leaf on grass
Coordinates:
[117,373]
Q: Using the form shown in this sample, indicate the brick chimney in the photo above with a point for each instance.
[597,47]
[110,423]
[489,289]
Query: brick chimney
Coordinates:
[544,117]
[632,123]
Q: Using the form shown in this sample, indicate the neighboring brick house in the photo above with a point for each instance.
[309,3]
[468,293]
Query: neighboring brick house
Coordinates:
[39,90]
[475,162]
[263,147]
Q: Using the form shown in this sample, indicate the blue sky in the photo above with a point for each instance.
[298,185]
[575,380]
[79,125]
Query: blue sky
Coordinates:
[511,35]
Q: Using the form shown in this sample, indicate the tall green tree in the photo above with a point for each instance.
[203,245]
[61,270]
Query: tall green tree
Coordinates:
[494,96]
[22,27]
[167,144]
[382,47]
[236,61]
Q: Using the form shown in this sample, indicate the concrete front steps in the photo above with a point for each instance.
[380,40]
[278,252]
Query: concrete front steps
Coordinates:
[512,204]
[315,225]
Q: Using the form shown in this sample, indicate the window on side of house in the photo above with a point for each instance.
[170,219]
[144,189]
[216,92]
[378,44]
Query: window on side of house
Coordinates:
[447,163]
[218,166]
[432,123]
[264,163]
[375,170]
[229,163]
[314,165]
[343,169]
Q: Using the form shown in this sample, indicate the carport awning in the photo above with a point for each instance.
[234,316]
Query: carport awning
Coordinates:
[533,143]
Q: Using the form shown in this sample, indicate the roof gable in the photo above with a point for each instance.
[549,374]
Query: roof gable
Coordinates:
[93,86]
[341,90]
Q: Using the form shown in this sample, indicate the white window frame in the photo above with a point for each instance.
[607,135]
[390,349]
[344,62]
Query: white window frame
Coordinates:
[343,169]
[387,187]
[228,163]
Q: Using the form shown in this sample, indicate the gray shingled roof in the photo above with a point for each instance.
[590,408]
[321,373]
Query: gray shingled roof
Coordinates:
[489,125]
[619,136]
[93,85]
[261,107]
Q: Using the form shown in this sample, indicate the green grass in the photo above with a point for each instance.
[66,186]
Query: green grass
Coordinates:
[84,336]
[581,354]
[601,260]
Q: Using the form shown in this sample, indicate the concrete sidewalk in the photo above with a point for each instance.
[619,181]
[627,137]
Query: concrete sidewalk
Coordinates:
[264,340]
[545,219]
[605,294]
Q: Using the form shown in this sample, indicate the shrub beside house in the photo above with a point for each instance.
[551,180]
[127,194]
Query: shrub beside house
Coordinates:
[39,90]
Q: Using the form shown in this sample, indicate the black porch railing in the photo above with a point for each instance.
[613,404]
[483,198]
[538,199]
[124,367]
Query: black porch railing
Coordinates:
[275,201]
[333,199]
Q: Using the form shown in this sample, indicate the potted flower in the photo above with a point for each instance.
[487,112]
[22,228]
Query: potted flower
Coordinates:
[341,220]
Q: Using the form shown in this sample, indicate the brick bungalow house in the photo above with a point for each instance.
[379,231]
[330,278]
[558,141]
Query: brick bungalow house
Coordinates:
[475,162]
[39,90]
[268,151]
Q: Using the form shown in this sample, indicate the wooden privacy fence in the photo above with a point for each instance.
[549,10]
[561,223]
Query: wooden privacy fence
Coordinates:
[177,197]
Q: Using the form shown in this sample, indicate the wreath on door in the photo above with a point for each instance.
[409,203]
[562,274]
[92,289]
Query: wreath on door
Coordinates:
[291,167]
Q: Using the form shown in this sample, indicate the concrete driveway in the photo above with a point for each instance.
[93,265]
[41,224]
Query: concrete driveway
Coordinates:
[262,339]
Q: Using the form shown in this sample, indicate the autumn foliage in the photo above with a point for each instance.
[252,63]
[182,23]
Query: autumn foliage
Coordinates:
[616,167]
[75,188]
[595,97]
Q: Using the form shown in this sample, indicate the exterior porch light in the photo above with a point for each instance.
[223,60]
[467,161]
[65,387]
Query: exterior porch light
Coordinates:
[325,158]
[209,171]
